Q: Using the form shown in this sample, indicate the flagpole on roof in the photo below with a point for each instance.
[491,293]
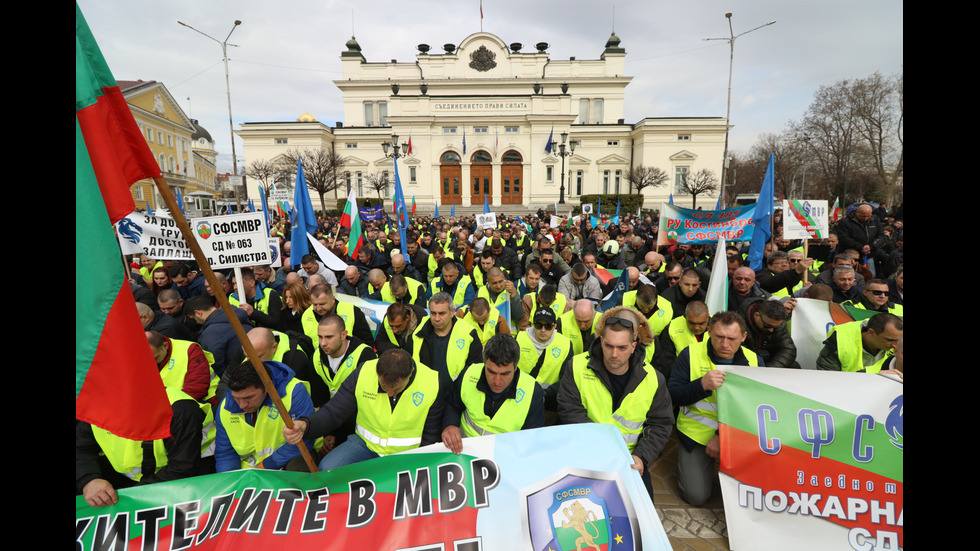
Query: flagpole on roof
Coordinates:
[236,325]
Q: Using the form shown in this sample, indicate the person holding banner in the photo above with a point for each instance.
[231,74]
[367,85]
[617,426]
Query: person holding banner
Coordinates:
[613,384]
[249,429]
[693,387]
[492,397]
[399,406]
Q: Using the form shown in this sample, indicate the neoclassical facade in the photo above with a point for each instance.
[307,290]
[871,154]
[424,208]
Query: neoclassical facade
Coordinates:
[479,116]
[183,149]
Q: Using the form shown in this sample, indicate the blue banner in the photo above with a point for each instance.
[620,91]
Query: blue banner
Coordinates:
[680,225]
[372,213]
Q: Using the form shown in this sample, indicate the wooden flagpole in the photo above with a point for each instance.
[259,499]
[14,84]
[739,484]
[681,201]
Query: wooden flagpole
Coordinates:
[205,267]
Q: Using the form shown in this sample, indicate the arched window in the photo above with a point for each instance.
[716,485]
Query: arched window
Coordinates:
[481,157]
[449,157]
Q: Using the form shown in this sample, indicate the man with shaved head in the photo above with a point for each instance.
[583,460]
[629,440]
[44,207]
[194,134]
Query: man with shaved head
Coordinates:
[743,287]
[400,266]
[864,232]
[354,283]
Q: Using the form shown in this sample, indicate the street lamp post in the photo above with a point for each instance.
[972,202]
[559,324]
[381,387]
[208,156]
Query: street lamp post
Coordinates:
[560,150]
[231,129]
[731,60]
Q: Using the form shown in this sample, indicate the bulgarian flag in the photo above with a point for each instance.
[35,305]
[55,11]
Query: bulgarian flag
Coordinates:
[811,456]
[835,212]
[413,204]
[117,383]
[605,276]
[351,219]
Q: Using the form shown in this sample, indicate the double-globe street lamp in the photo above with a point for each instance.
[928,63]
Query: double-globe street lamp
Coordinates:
[562,151]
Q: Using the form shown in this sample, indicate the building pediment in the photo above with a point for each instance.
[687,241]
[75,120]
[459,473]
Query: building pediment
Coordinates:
[613,159]
[355,161]
[154,98]
[683,155]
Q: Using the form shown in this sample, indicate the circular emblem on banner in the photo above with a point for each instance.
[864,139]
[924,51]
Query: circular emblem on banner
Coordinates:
[204,230]
[672,236]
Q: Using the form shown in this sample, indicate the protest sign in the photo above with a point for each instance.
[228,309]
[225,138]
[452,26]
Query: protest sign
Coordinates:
[158,237]
[507,491]
[374,213]
[805,219]
[706,227]
[811,459]
[486,220]
[234,240]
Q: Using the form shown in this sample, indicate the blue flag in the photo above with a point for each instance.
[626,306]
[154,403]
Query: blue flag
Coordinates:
[718,204]
[251,206]
[595,220]
[617,294]
[452,209]
[401,216]
[763,214]
[436,215]
[671,200]
[265,209]
[547,146]
[486,205]
[180,203]
[304,218]
[615,219]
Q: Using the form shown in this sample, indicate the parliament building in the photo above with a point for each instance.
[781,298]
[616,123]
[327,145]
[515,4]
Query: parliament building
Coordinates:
[479,116]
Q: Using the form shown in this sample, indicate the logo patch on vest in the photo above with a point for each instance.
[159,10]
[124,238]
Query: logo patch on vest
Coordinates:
[519,396]
[556,352]
[417,398]
[460,343]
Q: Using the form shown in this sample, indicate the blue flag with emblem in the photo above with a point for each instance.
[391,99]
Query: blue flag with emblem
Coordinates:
[622,284]
[401,219]
[762,217]
[304,218]
[547,146]
[615,219]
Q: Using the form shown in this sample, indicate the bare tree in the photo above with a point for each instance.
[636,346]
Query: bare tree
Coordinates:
[264,172]
[642,177]
[377,182]
[877,104]
[321,168]
[702,181]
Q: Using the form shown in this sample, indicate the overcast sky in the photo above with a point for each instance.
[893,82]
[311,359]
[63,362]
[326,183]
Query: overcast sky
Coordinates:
[288,52]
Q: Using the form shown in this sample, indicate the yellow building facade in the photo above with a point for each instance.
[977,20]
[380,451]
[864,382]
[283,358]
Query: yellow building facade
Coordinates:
[184,150]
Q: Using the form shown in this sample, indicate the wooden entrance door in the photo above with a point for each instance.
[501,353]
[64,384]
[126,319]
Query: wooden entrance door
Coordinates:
[511,174]
[481,177]
[450,174]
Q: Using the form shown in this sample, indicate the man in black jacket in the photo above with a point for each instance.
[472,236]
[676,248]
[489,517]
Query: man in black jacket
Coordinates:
[768,336]
[863,231]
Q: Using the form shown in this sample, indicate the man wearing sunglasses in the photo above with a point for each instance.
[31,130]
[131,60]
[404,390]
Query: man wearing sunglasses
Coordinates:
[693,386]
[876,297]
[613,384]
[768,335]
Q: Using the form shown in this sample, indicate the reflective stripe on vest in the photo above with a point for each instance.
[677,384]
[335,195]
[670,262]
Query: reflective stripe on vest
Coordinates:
[127,456]
[175,372]
[388,431]
[554,356]
[850,348]
[254,443]
[334,380]
[631,414]
[700,421]
[511,415]
[460,340]
[569,328]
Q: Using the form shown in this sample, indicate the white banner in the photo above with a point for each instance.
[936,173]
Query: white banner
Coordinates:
[805,219]
[158,237]
[235,240]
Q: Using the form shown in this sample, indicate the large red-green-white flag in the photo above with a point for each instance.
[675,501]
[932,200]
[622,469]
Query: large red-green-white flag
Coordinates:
[812,459]
[351,219]
[117,383]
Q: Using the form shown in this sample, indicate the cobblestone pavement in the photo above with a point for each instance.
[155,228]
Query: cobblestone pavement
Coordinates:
[688,528]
